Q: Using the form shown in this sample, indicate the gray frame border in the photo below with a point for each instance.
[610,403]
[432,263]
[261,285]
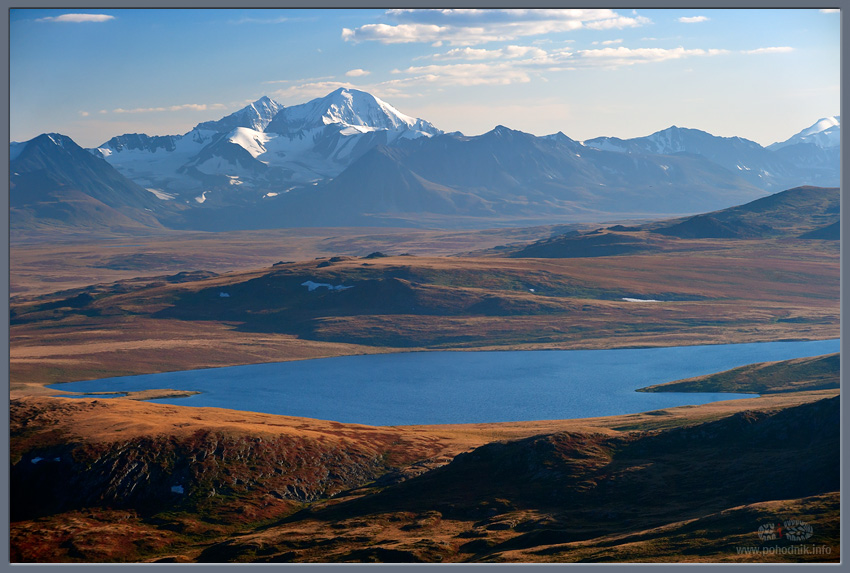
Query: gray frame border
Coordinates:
[844,5]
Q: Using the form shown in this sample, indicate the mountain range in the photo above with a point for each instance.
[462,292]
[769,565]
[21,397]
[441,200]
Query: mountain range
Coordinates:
[350,158]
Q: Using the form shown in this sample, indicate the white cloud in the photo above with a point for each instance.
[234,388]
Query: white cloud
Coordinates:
[478,67]
[298,81]
[300,93]
[260,21]
[618,23]
[473,26]
[492,67]
[771,50]
[483,54]
[84,113]
[622,56]
[183,107]
[693,19]
[77,18]
[470,74]
[356,73]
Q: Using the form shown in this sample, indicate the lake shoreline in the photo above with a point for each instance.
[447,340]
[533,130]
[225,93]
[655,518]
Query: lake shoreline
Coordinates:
[421,388]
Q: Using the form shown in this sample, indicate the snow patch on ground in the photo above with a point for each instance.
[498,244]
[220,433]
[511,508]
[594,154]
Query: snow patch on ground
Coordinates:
[202,197]
[640,299]
[311,286]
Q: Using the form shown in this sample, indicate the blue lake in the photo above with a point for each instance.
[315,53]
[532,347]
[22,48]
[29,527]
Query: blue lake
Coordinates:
[462,387]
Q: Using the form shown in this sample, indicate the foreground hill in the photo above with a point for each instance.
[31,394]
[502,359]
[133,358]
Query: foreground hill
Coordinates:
[118,480]
[547,494]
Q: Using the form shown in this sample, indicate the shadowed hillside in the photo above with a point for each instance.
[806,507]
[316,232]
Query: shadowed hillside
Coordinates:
[561,489]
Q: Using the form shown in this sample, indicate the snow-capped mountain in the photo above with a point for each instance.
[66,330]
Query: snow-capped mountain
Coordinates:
[825,133]
[351,108]
[768,168]
[351,158]
[264,148]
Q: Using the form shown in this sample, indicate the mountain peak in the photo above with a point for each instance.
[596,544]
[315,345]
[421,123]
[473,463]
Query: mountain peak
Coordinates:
[501,130]
[348,107]
[55,139]
[824,133]
[256,116]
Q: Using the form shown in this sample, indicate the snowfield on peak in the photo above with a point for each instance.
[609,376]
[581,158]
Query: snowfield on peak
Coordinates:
[250,140]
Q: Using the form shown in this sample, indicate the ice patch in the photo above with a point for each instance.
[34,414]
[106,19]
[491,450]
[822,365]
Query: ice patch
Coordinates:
[311,286]
[272,194]
[160,194]
[224,295]
[640,299]
[202,197]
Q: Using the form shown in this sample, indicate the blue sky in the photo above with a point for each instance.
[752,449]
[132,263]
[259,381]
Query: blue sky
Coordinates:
[759,74]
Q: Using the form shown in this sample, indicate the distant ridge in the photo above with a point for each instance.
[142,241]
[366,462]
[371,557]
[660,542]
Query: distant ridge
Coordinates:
[801,213]
[350,158]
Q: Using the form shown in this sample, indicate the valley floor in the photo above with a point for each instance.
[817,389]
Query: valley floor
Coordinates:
[120,480]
